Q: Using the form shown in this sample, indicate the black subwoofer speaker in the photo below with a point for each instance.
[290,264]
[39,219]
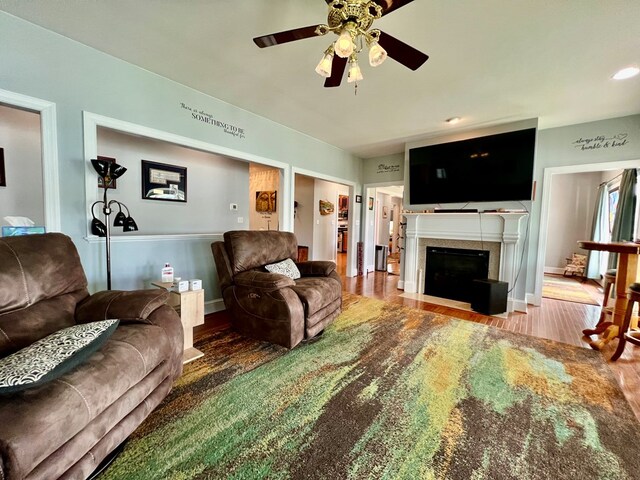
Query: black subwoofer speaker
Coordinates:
[489,296]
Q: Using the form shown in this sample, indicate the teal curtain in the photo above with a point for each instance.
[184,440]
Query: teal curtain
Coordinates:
[599,231]
[624,221]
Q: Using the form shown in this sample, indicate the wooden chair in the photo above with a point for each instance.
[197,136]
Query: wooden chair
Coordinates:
[625,335]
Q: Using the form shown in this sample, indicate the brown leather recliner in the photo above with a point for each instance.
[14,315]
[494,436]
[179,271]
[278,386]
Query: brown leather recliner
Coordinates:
[66,427]
[271,306]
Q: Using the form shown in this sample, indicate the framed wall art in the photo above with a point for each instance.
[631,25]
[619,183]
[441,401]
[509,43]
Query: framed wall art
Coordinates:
[326,207]
[161,181]
[370,203]
[3,178]
[358,198]
[266,201]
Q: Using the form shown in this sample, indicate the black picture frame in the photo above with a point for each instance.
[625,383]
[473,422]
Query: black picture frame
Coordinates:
[370,203]
[358,198]
[164,182]
[3,176]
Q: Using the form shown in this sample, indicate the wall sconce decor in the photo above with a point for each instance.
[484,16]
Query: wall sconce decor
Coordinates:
[109,171]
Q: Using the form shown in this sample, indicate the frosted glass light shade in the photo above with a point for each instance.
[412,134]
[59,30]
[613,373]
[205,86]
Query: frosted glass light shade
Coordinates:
[377,54]
[344,44]
[354,75]
[324,67]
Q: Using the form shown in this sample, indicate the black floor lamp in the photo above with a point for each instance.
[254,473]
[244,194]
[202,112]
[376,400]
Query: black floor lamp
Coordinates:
[109,172]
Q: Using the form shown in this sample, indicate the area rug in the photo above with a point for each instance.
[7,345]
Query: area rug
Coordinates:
[568,289]
[389,392]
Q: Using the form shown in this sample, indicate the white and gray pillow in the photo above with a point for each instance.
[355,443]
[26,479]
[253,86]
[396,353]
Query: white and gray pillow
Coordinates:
[286,267]
[53,355]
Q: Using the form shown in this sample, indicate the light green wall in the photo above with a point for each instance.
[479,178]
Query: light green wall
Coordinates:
[388,168]
[42,64]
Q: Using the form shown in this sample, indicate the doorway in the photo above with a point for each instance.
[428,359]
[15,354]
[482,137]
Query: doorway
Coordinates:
[324,211]
[559,212]
[383,217]
[46,127]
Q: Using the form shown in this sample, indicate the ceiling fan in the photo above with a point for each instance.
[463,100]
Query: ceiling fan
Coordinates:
[351,20]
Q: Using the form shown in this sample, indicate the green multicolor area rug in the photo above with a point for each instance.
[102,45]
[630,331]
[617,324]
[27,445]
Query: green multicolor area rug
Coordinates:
[389,392]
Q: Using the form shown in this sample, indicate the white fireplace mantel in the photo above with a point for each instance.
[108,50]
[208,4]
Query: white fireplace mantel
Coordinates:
[505,228]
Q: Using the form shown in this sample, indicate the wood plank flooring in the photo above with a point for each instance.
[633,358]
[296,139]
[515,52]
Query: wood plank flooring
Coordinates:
[554,320]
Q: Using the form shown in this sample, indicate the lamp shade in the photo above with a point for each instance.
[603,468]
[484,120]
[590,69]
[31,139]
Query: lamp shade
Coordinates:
[130,225]
[98,228]
[109,171]
[120,219]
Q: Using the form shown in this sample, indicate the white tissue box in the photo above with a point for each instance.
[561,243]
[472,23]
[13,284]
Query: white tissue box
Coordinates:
[181,286]
[195,284]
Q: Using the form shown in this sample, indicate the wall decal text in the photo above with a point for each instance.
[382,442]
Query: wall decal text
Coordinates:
[205,117]
[601,141]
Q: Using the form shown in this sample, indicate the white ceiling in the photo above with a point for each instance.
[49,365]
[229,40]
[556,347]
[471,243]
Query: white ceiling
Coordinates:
[491,61]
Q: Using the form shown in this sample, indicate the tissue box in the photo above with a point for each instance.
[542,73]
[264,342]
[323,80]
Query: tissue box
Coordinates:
[195,284]
[181,286]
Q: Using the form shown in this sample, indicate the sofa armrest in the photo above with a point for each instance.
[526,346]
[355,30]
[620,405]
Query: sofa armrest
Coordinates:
[127,306]
[316,268]
[262,280]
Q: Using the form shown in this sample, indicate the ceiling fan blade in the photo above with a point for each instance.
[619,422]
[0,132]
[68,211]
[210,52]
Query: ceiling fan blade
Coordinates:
[286,36]
[337,72]
[401,52]
[389,6]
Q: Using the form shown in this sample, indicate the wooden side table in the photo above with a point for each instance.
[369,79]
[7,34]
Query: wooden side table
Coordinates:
[190,306]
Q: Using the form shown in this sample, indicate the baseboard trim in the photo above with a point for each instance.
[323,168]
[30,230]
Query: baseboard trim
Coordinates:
[532,300]
[554,270]
[520,305]
[213,306]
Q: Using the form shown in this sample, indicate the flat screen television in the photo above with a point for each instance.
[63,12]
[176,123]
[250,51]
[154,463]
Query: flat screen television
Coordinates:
[485,169]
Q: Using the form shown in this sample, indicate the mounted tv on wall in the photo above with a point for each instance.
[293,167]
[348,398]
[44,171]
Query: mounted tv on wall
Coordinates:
[485,169]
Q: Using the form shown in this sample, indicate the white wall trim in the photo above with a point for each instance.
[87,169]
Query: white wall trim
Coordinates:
[156,238]
[351,270]
[546,205]
[212,306]
[49,134]
[554,270]
[92,121]
[531,300]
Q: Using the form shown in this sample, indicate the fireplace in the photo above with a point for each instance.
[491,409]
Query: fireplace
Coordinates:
[449,272]
[500,232]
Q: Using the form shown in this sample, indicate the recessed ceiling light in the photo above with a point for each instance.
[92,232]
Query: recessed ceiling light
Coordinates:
[625,73]
[453,120]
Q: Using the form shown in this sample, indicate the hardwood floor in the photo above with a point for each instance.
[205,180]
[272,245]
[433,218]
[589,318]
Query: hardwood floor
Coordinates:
[554,320]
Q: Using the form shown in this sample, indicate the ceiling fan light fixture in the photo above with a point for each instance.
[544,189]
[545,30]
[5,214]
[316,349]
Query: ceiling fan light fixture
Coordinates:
[354,74]
[344,44]
[377,54]
[324,66]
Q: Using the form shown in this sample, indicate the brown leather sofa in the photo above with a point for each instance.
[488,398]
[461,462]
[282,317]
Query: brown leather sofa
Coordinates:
[66,427]
[271,306]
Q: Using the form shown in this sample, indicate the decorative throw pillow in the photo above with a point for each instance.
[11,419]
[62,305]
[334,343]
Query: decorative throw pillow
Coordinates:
[285,267]
[53,356]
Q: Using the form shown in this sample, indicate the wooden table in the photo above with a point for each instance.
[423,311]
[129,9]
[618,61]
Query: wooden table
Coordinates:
[627,273]
[190,306]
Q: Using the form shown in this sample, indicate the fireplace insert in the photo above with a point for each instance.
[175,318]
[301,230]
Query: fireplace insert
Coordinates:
[449,272]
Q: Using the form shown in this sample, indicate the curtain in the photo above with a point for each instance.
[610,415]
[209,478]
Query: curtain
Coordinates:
[599,231]
[624,221]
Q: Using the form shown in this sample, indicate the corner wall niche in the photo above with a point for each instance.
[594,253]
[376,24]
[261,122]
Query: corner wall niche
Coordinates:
[215,182]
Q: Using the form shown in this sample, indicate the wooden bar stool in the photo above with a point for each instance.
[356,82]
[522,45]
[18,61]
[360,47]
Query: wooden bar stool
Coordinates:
[625,335]
[609,282]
